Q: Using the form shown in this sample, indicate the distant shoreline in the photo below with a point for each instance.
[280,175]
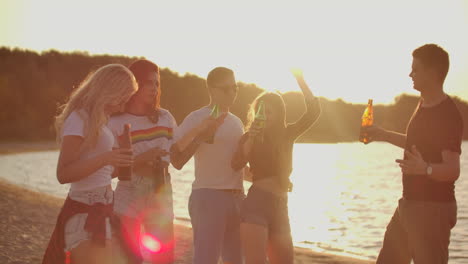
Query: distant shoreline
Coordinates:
[12,147]
[16,146]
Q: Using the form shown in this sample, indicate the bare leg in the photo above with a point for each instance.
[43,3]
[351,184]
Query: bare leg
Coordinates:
[130,235]
[254,243]
[280,249]
[90,252]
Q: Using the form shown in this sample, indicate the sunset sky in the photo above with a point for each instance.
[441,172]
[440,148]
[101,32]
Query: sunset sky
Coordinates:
[353,50]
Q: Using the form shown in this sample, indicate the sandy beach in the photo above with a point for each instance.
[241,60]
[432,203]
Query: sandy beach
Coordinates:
[28,218]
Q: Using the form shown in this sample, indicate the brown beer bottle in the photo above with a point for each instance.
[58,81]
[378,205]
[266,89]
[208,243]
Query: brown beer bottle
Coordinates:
[125,173]
[214,113]
[367,121]
[160,173]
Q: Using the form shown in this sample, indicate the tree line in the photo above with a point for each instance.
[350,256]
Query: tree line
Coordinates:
[33,85]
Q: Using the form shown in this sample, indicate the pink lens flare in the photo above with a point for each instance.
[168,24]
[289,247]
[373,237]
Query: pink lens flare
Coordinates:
[150,243]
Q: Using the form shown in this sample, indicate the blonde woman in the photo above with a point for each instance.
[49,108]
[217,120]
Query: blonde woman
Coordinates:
[82,233]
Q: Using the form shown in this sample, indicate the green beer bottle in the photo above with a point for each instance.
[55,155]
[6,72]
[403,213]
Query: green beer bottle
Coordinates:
[260,119]
[214,113]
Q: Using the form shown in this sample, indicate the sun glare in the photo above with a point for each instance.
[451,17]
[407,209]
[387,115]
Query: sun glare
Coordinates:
[350,50]
[314,185]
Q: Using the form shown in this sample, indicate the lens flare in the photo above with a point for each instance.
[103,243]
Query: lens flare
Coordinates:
[150,243]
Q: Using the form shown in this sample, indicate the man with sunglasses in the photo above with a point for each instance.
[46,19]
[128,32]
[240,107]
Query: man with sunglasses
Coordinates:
[217,191]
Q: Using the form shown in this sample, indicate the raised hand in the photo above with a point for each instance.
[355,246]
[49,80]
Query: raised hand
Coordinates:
[414,164]
[308,95]
[297,73]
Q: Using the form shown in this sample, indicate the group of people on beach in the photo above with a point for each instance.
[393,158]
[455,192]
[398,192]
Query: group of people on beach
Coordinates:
[134,222]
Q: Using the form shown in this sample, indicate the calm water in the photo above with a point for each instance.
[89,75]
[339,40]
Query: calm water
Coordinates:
[344,194]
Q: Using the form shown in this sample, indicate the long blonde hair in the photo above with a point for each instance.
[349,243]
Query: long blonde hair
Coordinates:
[109,84]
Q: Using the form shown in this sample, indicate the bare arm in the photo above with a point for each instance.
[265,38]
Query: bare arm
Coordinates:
[180,157]
[395,138]
[308,95]
[449,169]
[446,171]
[379,134]
[246,142]
[71,169]
[182,150]
[239,160]
[312,112]
[185,148]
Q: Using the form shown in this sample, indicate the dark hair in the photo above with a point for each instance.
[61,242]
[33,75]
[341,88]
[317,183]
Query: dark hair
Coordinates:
[434,57]
[141,69]
[218,75]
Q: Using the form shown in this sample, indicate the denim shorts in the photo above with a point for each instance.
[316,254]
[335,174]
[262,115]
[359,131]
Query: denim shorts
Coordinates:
[140,197]
[74,228]
[267,209]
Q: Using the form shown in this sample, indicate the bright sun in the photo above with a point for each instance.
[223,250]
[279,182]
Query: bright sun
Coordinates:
[352,50]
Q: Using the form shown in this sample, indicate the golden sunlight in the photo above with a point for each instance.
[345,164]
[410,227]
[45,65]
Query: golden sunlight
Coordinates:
[312,186]
[350,50]
[343,193]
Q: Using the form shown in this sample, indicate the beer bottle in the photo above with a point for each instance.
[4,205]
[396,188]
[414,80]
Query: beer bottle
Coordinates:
[260,119]
[214,114]
[160,173]
[125,173]
[367,121]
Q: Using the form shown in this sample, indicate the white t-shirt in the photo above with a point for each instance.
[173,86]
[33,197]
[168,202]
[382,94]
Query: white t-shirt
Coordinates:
[131,197]
[144,133]
[213,161]
[74,126]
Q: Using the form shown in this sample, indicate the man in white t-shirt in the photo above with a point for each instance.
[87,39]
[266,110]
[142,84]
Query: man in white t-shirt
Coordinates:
[144,201]
[217,190]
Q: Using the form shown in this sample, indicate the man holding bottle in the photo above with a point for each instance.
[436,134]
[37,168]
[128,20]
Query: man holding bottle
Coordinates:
[217,191]
[420,227]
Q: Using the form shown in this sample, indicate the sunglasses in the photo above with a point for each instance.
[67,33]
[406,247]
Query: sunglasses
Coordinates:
[228,88]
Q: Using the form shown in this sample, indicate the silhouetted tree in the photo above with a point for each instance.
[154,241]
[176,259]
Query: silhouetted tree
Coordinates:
[33,85]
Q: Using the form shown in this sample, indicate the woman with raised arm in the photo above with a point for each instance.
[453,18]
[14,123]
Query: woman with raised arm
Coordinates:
[268,148]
